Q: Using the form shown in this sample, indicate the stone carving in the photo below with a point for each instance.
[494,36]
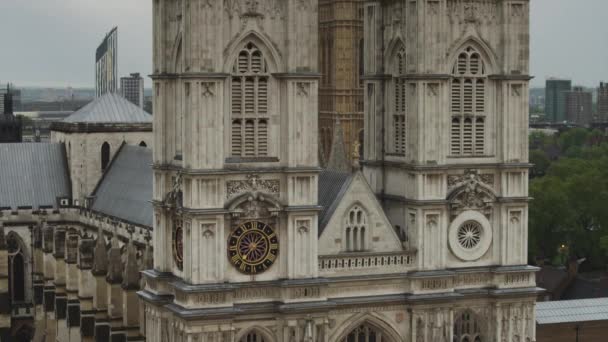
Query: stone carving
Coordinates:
[207,89]
[130,278]
[302,88]
[254,8]
[472,11]
[47,243]
[252,183]
[100,263]
[115,267]
[457,180]
[471,192]
[173,199]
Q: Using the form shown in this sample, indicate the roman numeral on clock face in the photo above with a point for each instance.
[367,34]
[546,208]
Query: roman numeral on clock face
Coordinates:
[253,247]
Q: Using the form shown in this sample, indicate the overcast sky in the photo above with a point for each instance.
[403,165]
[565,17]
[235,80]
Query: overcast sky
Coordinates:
[52,42]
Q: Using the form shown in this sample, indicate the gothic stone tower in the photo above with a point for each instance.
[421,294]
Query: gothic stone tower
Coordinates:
[341,63]
[235,160]
[446,131]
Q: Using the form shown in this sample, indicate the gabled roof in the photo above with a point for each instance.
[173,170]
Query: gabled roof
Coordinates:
[125,191]
[332,187]
[110,108]
[569,311]
[33,175]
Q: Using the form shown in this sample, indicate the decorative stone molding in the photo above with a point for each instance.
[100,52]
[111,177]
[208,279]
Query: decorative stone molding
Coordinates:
[471,251]
[252,183]
[303,88]
[471,191]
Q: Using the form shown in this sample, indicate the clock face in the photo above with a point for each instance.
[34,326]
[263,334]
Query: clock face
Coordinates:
[178,244]
[253,247]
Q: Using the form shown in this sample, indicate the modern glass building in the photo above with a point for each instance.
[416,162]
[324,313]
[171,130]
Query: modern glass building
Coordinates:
[106,79]
[555,99]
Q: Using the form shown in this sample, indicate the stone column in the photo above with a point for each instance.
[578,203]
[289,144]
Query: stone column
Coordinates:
[61,298]
[5,300]
[86,288]
[73,302]
[50,323]
[100,290]
[115,298]
[130,299]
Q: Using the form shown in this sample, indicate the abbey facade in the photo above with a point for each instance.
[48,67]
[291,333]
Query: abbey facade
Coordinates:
[254,242]
[213,220]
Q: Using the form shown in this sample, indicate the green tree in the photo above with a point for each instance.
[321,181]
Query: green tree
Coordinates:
[540,163]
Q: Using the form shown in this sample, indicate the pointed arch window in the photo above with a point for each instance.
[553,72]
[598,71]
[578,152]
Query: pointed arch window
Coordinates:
[105,155]
[467,328]
[16,263]
[365,333]
[468,104]
[253,336]
[356,230]
[249,103]
[399,124]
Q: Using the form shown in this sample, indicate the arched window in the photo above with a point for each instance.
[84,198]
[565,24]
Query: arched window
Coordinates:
[143,144]
[399,106]
[250,85]
[253,336]
[16,263]
[466,328]
[365,333]
[468,104]
[356,230]
[105,156]
[361,62]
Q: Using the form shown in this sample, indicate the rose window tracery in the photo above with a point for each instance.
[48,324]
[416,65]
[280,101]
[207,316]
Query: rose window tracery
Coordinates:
[469,234]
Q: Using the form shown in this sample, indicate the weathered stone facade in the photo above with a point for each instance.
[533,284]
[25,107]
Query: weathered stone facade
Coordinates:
[341,83]
[441,257]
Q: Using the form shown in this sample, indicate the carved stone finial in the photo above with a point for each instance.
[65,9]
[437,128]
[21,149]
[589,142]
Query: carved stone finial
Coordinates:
[115,267]
[130,279]
[100,261]
[148,258]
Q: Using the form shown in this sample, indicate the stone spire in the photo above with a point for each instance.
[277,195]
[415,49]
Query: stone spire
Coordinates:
[337,157]
[130,278]
[114,262]
[100,261]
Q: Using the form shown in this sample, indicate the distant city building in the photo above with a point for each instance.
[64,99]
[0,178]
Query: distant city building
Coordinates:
[555,99]
[602,102]
[579,104]
[105,64]
[10,126]
[132,89]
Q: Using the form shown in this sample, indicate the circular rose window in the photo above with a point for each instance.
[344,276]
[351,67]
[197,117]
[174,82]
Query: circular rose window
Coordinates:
[469,234]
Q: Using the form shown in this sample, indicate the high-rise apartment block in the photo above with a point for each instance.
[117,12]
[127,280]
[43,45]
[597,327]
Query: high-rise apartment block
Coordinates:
[579,106]
[132,89]
[602,102]
[341,84]
[10,126]
[555,99]
[106,64]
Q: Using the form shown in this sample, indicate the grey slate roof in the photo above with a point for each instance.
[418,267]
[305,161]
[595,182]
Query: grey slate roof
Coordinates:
[569,311]
[109,108]
[125,191]
[332,187]
[33,174]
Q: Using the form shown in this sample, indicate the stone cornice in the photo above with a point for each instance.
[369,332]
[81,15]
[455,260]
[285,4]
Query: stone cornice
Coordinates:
[444,167]
[235,170]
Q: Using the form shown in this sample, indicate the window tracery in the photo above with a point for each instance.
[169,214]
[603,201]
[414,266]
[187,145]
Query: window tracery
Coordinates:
[250,83]
[356,230]
[467,328]
[468,104]
[253,337]
[365,333]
